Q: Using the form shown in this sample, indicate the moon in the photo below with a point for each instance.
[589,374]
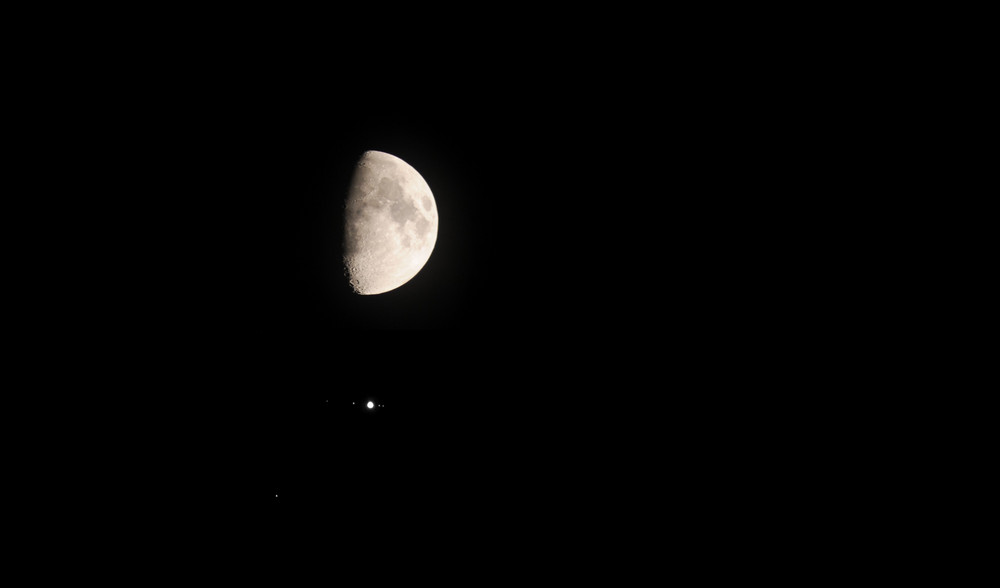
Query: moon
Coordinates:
[390,224]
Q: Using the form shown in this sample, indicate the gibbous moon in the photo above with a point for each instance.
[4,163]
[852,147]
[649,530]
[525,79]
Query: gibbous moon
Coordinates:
[390,224]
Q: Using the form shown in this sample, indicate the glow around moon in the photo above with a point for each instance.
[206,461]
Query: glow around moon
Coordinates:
[390,224]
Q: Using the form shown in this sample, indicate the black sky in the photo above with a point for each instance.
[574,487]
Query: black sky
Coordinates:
[545,188]
[588,250]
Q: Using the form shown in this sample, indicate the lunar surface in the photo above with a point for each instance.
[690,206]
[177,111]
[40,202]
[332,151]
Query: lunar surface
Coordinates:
[390,224]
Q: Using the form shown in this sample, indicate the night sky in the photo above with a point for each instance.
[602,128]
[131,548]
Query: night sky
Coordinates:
[572,201]
[544,241]
[635,341]
[588,254]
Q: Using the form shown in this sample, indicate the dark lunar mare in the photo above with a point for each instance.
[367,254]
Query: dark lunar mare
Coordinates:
[403,211]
